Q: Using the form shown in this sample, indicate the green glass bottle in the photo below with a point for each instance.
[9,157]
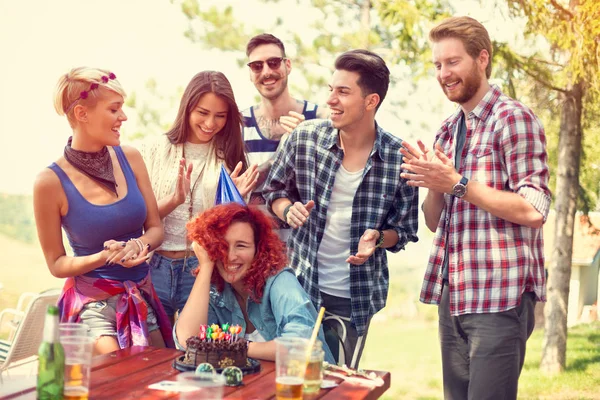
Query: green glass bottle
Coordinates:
[51,367]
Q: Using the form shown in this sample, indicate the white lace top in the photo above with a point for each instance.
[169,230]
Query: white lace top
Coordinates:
[162,161]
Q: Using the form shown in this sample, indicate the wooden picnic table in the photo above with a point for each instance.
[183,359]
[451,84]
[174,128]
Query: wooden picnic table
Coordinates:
[126,374]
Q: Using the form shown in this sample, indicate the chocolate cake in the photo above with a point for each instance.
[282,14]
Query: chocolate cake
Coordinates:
[218,353]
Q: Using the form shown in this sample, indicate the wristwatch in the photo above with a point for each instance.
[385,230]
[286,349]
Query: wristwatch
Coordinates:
[460,189]
[380,241]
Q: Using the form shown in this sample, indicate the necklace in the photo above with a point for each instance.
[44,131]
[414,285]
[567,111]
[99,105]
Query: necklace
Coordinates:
[191,207]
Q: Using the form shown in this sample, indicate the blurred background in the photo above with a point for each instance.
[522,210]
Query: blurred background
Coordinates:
[544,52]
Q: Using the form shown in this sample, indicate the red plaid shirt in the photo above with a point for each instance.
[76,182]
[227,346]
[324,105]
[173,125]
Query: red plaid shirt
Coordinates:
[492,261]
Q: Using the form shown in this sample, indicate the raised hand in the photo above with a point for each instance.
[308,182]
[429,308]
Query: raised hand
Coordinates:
[246,182]
[182,186]
[291,121]
[298,213]
[366,247]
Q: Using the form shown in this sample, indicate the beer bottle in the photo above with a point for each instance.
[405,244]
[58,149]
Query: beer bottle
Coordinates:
[51,363]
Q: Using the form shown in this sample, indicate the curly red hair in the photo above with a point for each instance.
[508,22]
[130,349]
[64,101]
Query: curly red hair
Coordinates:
[209,228]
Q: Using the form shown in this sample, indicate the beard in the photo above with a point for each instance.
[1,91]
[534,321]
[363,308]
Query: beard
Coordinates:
[471,84]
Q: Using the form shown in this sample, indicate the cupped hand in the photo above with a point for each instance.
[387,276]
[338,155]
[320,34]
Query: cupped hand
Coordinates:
[366,247]
[246,182]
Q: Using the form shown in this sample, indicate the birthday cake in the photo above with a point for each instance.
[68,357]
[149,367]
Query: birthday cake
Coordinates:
[212,345]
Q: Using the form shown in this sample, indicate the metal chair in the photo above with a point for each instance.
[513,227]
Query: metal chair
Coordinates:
[26,326]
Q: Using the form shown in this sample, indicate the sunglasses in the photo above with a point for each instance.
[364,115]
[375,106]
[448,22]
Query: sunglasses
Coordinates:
[273,63]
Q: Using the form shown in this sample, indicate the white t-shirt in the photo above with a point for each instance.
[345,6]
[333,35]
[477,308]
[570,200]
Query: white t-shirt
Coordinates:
[334,271]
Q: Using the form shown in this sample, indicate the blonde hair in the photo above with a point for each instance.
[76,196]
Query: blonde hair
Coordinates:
[71,85]
[470,32]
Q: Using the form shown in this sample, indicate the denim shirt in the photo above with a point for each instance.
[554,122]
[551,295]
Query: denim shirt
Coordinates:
[285,310]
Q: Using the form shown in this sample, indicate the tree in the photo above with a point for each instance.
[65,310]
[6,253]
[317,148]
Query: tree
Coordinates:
[395,30]
[571,71]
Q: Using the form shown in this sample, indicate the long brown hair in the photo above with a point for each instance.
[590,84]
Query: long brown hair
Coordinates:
[228,143]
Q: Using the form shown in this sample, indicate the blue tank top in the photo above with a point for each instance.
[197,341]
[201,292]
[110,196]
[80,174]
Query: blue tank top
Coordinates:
[88,225]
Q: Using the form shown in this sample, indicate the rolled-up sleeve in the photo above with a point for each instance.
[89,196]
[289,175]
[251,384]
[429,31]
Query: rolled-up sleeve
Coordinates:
[403,216]
[524,144]
[281,182]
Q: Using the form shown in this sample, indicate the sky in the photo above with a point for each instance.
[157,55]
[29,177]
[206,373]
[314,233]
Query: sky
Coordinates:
[138,40]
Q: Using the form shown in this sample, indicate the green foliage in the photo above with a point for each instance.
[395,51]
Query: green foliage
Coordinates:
[151,120]
[574,56]
[16,219]
[394,29]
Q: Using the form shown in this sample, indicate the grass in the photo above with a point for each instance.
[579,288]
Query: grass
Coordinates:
[403,337]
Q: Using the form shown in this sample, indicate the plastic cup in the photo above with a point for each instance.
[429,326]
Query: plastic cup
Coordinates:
[208,386]
[290,367]
[73,329]
[314,369]
[78,360]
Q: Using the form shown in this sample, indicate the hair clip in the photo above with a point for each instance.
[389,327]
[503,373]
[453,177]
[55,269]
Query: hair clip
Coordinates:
[84,95]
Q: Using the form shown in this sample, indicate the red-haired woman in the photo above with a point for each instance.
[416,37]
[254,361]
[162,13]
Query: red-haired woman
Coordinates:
[244,259]
[184,165]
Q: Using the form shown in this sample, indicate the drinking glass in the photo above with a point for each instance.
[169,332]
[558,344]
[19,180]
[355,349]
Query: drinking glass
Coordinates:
[314,369]
[208,386]
[290,367]
[78,360]
[72,329]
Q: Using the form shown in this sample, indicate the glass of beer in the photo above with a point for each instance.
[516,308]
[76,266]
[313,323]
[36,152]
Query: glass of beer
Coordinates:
[290,367]
[314,370]
[78,360]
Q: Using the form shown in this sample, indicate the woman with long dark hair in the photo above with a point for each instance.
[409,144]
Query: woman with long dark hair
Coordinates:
[184,166]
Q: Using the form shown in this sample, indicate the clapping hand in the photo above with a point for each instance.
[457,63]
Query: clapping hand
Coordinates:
[429,169]
[182,186]
[247,181]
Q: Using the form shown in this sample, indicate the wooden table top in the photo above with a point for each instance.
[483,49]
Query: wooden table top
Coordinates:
[126,374]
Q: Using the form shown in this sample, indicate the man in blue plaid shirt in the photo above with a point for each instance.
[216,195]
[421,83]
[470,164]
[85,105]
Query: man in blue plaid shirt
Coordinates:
[337,184]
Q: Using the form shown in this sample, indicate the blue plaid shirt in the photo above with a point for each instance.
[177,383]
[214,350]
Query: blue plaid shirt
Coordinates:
[304,169]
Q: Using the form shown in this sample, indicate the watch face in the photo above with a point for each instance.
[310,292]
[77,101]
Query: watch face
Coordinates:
[459,190]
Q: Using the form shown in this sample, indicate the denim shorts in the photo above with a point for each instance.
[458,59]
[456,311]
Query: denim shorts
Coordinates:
[101,317]
[172,282]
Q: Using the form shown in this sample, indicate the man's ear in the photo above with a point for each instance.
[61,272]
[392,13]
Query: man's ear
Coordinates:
[80,113]
[484,59]
[288,65]
[372,101]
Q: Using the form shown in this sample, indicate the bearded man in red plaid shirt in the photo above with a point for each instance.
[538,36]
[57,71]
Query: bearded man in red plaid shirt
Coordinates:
[488,198]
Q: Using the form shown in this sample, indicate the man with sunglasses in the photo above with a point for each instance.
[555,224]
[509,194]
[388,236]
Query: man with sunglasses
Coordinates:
[267,124]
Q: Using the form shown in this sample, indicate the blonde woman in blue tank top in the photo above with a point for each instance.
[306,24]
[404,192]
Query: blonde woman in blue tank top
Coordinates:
[100,194]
